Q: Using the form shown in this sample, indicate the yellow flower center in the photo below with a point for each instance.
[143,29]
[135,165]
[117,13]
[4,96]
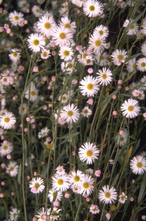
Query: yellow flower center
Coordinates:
[88,61]
[107,195]
[5,147]
[76,178]
[49,145]
[89,86]
[101,57]
[97,43]
[6,119]
[67,25]
[36,42]
[121,139]
[5,79]
[86,185]
[85,111]
[143,64]
[84,55]
[89,153]
[62,35]
[70,113]
[47,25]
[122,198]
[134,66]
[120,57]
[64,98]
[132,27]
[104,76]
[16,17]
[36,185]
[32,93]
[70,65]
[139,165]
[130,108]
[45,54]
[15,54]
[91,7]
[66,53]
[60,182]
[11,168]
[101,32]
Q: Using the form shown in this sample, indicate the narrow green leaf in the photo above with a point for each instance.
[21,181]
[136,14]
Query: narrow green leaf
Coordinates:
[142,190]
[19,174]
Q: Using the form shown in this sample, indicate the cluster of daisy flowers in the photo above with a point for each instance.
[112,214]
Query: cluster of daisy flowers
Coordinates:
[72,98]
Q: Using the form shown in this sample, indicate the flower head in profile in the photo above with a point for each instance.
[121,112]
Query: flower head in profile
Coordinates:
[88,152]
[107,195]
[130,108]
[89,86]
[138,164]
[36,185]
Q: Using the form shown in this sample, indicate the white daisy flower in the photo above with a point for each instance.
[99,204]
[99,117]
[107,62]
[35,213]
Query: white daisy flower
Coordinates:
[36,42]
[94,209]
[12,168]
[121,139]
[89,86]
[92,8]
[86,185]
[122,198]
[54,195]
[16,18]
[119,56]
[101,59]
[107,195]
[70,113]
[86,112]
[36,10]
[96,43]
[45,54]
[68,66]
[31,93]
[36,185]
[23,5]
[83,57]
[131,65]
[60,182]
[7,120]
[66,23]
[42,214]
[143,48]
[46,24]
[54,214]
[4,80]
[76,177]
[66,53]
[138,164]
[141,95]
[78,3]
[141,64]
[101,30]
[43,133]
[62,36]
[130,108]
[133,28]
[15,55]
[104,76]
[14,214]
[6,148]
[88,152]
[23,108]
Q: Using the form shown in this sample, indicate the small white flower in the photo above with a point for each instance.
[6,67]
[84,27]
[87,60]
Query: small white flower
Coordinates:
[138,164]
[104,76]
[12,168]
[89,86]
[122,198]
[7,120]
[92,8]
[88,152]
[119,56]
[70,113]
[130,108]
[107,195]
[36,42]
[141,64]
[36,185]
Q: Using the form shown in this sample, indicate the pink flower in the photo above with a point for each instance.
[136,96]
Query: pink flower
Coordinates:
[35,69]
[90,101]
[97,173]
[108,216]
